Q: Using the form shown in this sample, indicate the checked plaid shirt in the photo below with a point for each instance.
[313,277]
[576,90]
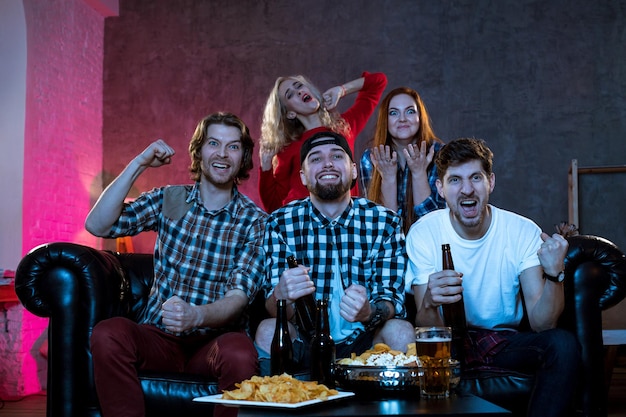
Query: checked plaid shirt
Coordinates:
[367,238]
[433,202]
[201,255]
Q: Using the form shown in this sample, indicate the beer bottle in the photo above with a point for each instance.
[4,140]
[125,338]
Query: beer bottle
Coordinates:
[323,348]
[305,306]
[281,360]
[454,314]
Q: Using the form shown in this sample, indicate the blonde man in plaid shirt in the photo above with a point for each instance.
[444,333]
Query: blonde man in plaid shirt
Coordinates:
[208,265]
[351,252]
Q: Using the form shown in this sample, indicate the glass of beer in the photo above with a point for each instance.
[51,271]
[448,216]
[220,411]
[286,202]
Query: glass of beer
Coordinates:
[433,350]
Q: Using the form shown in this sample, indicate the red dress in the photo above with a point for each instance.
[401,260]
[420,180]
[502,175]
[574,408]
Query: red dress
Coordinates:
[283,184]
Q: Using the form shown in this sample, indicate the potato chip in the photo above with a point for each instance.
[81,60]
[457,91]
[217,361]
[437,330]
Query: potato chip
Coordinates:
[278,389]
[381,347]
[411,349]
[382,355]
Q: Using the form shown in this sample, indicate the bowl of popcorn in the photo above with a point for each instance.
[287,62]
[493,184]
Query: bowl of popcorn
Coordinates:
[379,370]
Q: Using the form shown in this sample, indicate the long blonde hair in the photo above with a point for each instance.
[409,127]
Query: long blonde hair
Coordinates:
[277,131]
[382,137]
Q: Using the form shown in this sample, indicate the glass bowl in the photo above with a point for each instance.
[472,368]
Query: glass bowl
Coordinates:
[362,379]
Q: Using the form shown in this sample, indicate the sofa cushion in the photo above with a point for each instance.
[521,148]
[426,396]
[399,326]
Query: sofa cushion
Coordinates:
[166,394]
[506,388]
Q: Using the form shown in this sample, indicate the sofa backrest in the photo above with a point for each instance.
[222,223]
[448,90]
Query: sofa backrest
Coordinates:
[138,270]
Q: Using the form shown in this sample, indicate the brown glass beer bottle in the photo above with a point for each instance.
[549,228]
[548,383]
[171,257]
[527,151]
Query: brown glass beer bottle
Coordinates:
[281,355]
[305,307]
[454,314]
[323,348]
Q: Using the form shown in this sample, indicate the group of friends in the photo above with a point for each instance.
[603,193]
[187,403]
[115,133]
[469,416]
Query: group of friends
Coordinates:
[363,243]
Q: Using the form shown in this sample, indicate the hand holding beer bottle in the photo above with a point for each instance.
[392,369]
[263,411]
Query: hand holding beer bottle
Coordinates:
[454,314]
[305,306]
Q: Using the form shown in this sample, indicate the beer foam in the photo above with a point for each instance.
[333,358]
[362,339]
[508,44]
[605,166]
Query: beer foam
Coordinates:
[434,340]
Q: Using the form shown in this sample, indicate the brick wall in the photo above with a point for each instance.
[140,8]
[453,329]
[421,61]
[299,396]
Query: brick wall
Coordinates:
[23,368]
[542,81]
[63,134]
[63,160]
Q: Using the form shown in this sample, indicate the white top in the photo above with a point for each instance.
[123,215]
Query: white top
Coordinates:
[491,265]
[340,328]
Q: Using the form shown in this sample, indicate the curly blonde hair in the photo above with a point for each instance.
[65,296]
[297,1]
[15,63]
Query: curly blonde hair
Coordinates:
[277,131]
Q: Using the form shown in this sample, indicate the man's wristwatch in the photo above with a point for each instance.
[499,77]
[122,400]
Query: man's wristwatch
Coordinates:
[559,278]
[376,318]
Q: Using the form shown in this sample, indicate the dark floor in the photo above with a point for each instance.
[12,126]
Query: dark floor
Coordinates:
[617,393]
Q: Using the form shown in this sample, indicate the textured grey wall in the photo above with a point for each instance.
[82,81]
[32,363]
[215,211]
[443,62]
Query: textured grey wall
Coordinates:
[542,82]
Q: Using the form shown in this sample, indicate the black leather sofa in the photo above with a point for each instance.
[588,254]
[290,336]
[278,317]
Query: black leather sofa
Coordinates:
[77,286]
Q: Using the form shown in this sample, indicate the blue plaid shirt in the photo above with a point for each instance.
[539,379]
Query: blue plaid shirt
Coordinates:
[433,202]
[368,239]
[200,256]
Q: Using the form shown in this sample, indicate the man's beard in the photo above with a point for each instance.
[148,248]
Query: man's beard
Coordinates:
[330,192]
[216,180]
[469,223]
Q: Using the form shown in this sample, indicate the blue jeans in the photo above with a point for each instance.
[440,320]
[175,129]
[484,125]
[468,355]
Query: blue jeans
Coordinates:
[554,357]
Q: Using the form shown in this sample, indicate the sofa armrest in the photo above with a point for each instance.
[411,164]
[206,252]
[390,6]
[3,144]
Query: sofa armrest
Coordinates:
[595,279]
[605,255]
[75,286]
[51,278]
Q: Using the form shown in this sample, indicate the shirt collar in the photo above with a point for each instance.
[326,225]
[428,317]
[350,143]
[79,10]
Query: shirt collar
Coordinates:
[343,220]
[231,208]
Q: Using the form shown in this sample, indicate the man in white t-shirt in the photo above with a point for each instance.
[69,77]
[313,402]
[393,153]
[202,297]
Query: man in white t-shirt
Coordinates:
[498,257]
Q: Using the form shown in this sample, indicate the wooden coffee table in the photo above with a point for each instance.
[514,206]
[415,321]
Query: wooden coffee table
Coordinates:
[455,405]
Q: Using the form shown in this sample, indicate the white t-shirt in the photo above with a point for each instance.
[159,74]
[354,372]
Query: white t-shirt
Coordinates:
[491,265]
